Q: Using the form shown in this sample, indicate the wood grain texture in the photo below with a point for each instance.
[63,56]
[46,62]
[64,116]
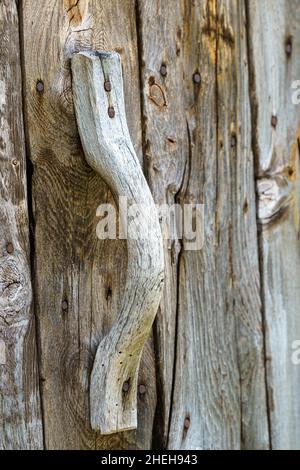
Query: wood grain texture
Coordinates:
[166,154]
[274,40]
[219,399]
[79,280]
[109,151]
[20,416]
[229,315]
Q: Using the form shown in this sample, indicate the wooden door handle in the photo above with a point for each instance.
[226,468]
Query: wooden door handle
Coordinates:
[101,119]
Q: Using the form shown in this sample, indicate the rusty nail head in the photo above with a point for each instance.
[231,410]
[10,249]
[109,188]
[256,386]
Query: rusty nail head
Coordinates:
[125,387]
[142,389]
[107,85]
[274,121]
[111,112]
[39,86]
[163,70]
[288,46]
[10,248]
[187,423]
[64,305]
[197,78]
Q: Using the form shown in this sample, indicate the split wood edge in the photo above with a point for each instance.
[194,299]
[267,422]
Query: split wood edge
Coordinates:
[109,151]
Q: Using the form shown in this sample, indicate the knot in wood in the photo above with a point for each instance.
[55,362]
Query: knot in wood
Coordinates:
[275,195]
[157,95]
[15,291]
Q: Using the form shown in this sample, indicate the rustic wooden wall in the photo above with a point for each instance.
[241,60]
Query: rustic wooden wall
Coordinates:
[209,106]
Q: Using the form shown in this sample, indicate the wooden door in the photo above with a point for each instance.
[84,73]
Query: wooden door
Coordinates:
[212,105]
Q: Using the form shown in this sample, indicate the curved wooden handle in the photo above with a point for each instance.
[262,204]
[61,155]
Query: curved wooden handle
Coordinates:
[101,120]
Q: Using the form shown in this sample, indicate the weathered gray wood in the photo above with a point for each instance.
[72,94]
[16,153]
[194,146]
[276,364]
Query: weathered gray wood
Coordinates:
[219,396]
[20,416]
[274,40]
[197,147]
[109,151]
[165,152]
[71,263]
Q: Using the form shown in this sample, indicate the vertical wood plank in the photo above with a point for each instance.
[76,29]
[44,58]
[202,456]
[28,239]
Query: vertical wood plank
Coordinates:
[219,396]
[166,154]
[20,414]
[79,279]
[236,161]
[274,41]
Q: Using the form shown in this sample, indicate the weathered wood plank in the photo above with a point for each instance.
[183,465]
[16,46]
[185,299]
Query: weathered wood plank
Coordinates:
[219,397]
[234,130]
[20,415]
[77,275]
[274,40]
[166,152]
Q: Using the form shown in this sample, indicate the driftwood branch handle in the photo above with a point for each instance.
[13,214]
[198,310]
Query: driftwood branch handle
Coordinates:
[101,120]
